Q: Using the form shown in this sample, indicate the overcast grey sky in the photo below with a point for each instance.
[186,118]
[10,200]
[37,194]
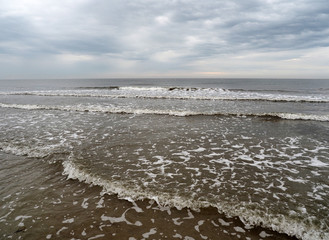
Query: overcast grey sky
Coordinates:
[162,38]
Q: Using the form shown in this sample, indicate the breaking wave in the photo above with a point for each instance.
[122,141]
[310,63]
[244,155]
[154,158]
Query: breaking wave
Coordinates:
[180,93]
[20,149]
[251,214]
[178,113]
[248,213]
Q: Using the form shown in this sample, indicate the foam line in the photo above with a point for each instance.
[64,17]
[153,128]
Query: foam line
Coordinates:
[178,93]
[127,110]
[250,216]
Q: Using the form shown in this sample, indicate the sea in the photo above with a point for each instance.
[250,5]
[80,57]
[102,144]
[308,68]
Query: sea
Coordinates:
[164,159]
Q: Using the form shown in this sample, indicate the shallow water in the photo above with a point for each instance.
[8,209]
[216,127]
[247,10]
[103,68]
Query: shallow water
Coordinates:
[151,165]
[45,205]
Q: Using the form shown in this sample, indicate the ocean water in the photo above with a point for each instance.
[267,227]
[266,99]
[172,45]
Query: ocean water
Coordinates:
[164,159]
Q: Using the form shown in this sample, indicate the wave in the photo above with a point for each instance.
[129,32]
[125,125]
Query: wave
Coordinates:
[19,149]
[251,214]
[248,213]
[127,110]
[179,93]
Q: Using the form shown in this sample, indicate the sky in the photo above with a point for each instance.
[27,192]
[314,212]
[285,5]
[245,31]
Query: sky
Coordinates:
[164,38]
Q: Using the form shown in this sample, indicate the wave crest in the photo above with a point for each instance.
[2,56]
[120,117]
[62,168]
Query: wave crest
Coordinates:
[249,215]
[179,93]
[178,113]
[33,152]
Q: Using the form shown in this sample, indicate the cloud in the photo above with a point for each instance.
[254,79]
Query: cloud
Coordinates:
[162,20]
[166,56]
[163,37]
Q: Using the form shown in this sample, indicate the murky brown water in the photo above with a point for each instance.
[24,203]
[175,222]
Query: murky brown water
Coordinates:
[44,204]
[164,163]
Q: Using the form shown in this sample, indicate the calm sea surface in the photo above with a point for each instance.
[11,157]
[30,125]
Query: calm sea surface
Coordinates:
[164,159]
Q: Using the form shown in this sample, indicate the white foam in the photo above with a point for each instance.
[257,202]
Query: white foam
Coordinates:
[30,151]
[60,230]
[249,216]
[122,218]
[301,116]
[70,220]
[200,149]
[239,229]
[85,204]
[176,222]
[223,223]
[298,180]
[177,93]
[142,88]
[263,234]
[97,236]
[315,162]
[100,204]
[128,110]
[178,236]
[197,227]
[23,217]
[188,238]
[151,232]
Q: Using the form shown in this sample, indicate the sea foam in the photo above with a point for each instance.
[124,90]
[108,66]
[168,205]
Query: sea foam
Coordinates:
[178,93]
[178,113]
[250,216]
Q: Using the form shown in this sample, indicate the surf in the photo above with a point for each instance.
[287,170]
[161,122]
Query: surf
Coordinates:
[177,113]
[180,93]
[249,213]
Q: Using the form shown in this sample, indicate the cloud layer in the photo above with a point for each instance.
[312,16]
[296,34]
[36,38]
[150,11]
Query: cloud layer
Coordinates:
[121,38]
